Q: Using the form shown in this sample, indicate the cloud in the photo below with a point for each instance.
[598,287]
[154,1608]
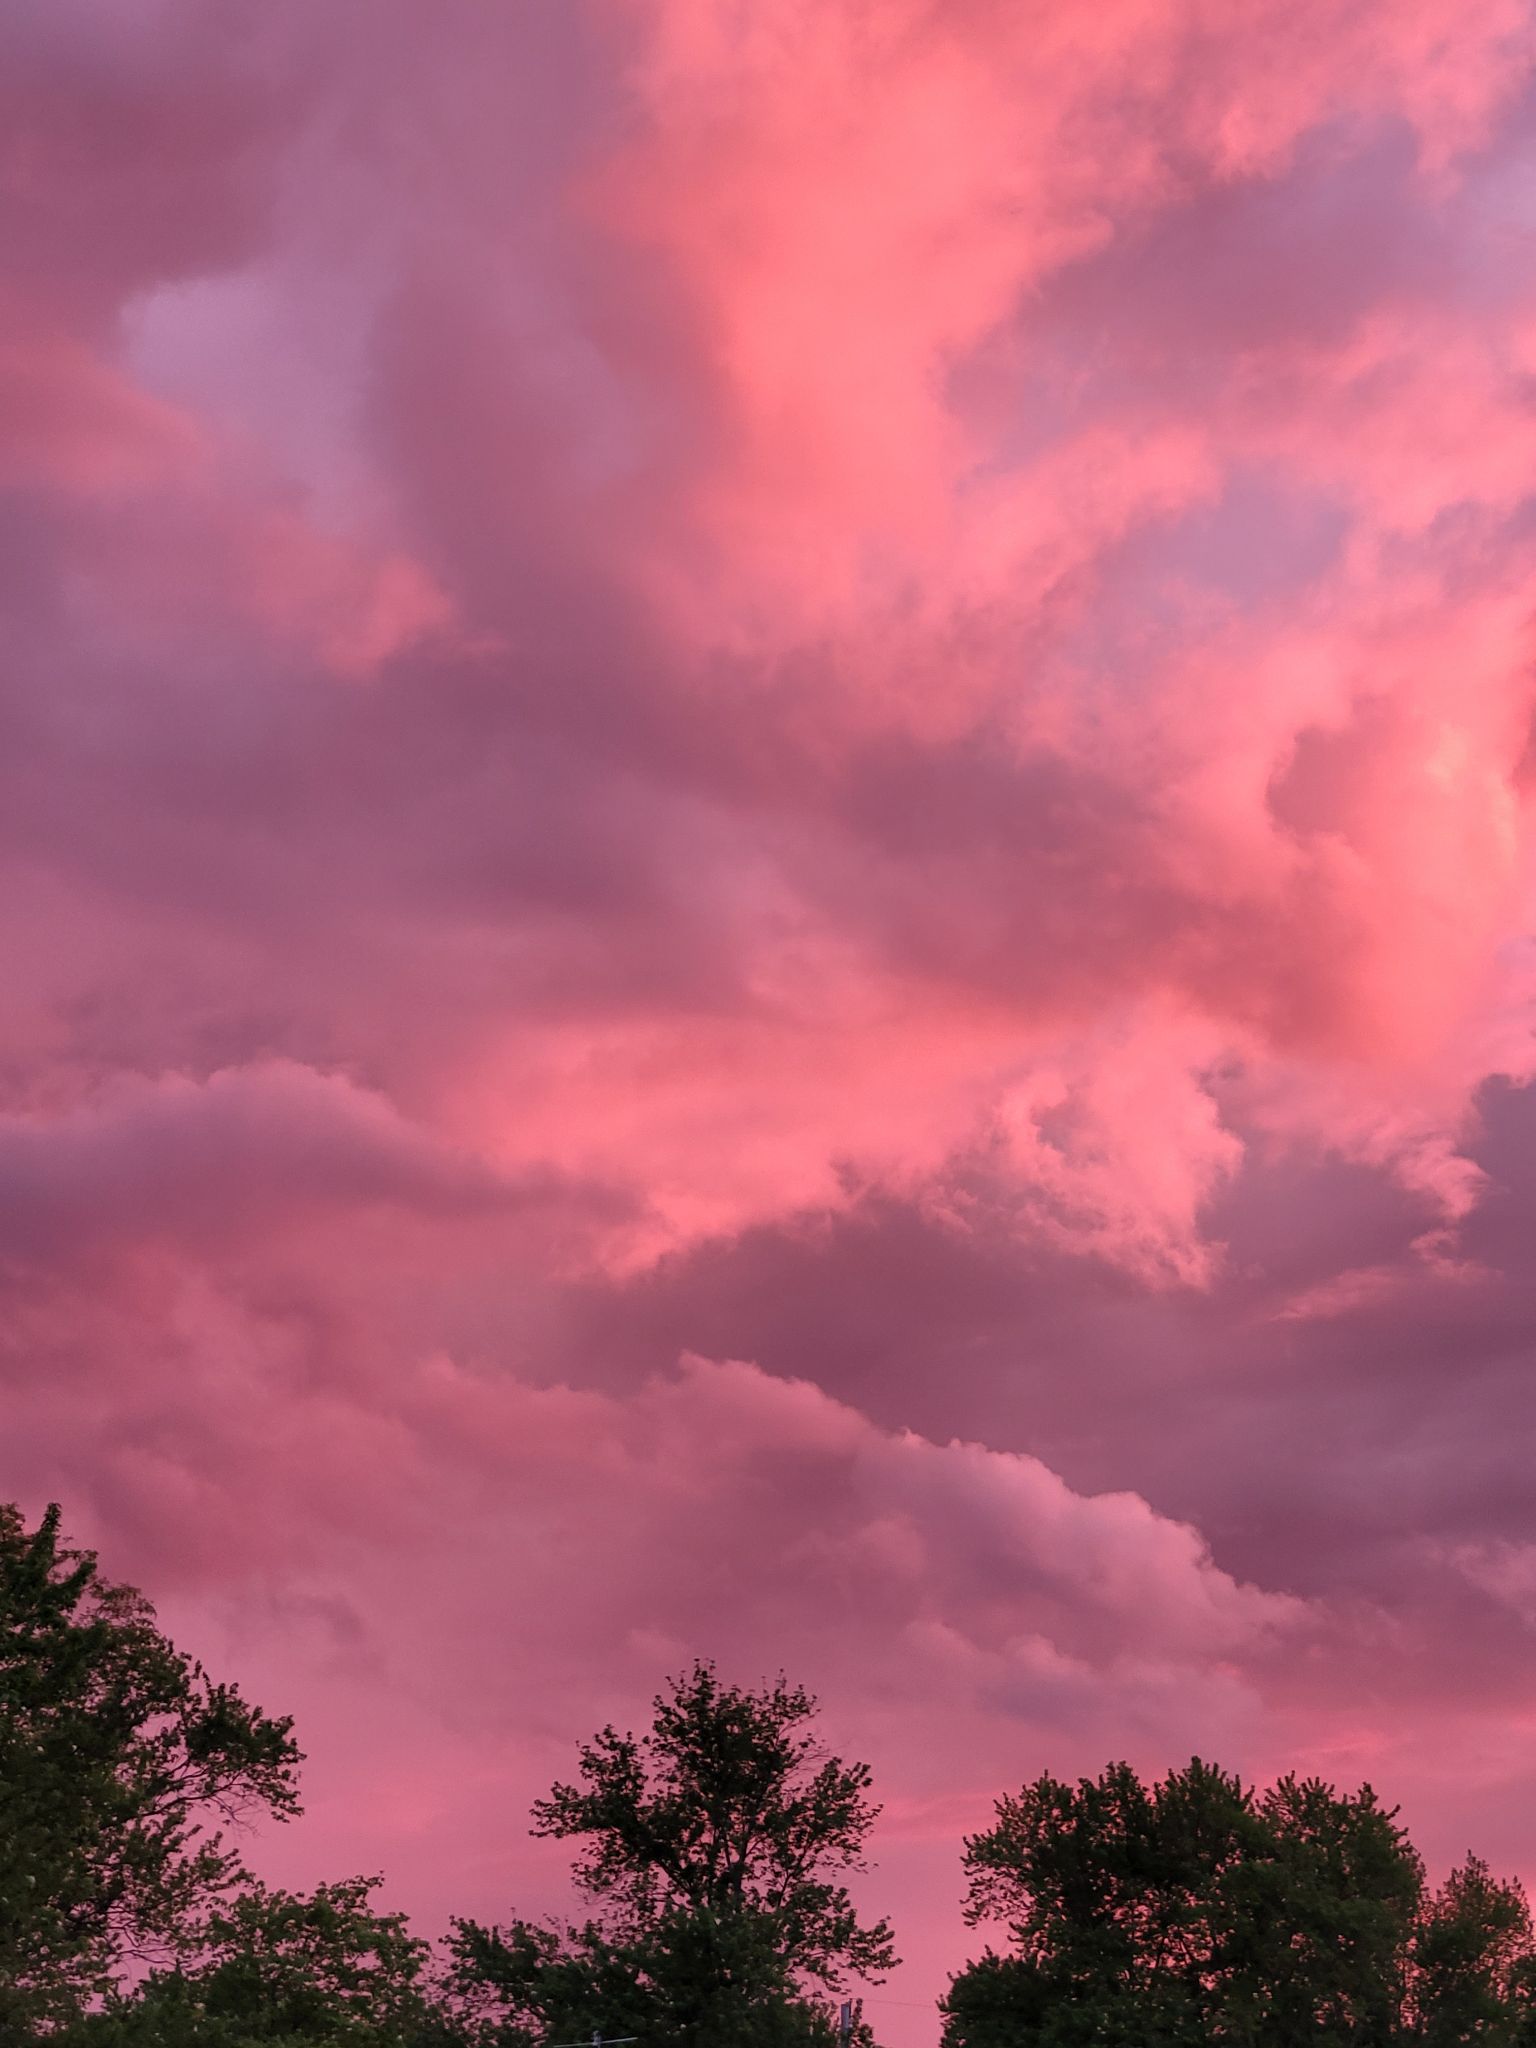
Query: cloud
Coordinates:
[449,1539]
[843,685]
[193,1159]
[862,682]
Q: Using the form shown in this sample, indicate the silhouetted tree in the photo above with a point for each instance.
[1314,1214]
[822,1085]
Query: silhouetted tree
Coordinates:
[270,1969]
[1472,1967]
[1321,1918]
[1196,1911]
[714,1850]
[1188,1911]
[119,1758]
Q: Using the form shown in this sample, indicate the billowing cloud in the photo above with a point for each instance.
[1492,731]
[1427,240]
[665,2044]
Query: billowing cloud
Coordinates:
[840,685]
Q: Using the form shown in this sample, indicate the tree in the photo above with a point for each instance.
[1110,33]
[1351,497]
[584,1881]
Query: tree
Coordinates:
[997,2002]
[273,1969]
[1321,1918]
[1186,1912]
[714,1850]
[1472,1964]
[119,1758]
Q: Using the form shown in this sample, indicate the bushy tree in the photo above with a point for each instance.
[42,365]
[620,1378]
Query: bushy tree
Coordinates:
[1195,1910]
[1321,1916]
[1472,1965]
[1188,1911]
[273,1969]
[714,1851]
[997,2002]
[119,1762]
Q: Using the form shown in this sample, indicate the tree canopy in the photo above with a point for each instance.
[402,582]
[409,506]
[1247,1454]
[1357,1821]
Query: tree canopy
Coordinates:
[119,1761]
[1195,1910]
[714,1855]
[274,1969]
[713,1851]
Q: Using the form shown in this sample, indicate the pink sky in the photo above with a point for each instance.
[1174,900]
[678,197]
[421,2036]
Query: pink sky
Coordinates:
[765,770]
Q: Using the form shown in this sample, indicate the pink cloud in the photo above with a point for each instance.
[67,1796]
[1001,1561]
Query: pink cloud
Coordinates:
[841,685]
[965,1603]
[72,421]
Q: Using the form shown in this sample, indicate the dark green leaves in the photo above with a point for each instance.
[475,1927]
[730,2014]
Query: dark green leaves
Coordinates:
[1194,1911]
[270,1969]
[714,1850]
[118,1759]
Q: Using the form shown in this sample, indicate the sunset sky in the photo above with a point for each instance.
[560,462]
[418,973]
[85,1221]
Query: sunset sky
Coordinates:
[766,771]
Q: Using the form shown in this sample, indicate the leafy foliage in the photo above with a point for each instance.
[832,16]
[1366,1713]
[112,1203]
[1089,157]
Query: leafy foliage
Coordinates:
[1195,1911]
[276,1970]
[714,1850]
[119,1758]
[1473,1964]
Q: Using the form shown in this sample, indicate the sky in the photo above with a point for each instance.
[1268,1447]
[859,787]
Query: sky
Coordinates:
[765,788]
